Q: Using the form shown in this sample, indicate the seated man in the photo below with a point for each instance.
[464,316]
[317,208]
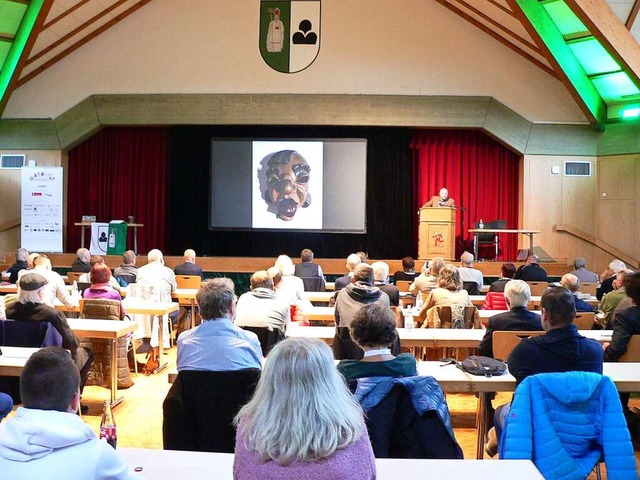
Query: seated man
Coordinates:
[21,264]
[381,280]
[584,275]
[82,261]
[46,438]
[55,286]
[407,274]
[531,271]
[353,261]
[614,299]
[608,276]
[127,268]
[507,271]
[561,349]
[428,279]
[189,266]
[571,283]
[217,344]
[261,307]
[30,307]
[517,294]
[307,269]
[468,273]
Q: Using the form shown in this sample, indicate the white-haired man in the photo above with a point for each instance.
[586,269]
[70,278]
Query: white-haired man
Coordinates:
[381,280]
[608,276]
[353,261]
[189,266]
[21,264]
[442,200]
[517,294]
[82,261]
[468,274]
[428,279]
[580,271]
[571,283]
[161,281]
[55,287]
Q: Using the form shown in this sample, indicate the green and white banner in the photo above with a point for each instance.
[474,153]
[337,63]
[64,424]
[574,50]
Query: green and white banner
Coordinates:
[289,33]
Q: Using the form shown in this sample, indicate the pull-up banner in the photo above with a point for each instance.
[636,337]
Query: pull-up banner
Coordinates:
[41,229]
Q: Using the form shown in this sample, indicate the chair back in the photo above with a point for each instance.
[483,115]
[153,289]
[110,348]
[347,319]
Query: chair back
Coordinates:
[471,288]
[16,333]
[466,318]
[633,350]
[588,287]
[125,279]
[584,320]
[268,337]
[403,285]
[100,308]
[538,288]
[188,281]
[73,277]
[504,341]
[313,284]
[199,409]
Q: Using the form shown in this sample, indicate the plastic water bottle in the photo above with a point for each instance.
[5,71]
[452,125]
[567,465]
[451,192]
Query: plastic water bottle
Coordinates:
[481,224]
[419,301]
[75,293]
[108,425]
[408,318]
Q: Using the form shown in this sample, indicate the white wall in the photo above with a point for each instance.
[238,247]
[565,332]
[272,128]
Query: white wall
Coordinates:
[393,47]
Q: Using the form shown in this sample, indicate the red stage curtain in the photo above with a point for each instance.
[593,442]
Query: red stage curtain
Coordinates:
[480,174]
[120,172]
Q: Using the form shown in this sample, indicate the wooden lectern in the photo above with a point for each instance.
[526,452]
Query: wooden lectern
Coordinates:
[437,233]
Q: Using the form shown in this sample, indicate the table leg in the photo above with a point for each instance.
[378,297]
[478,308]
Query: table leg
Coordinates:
[475,246]
[161,364]
[84,229]
[193,313]
[135,240]
[531,242]
[481,424]
[114,373]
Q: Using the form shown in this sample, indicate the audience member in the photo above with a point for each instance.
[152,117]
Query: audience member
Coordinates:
[363,256]
[289,297]
[571,283]
[31,307]
[46,438]
[561,349]
[302,422]
[127,268]
[307,269]
[507,271]
[189,266]
[159,281]
[21,264]
[407,274]
[6,405]
[100,288]
[608,276]
[361,292]
[428,279]
[580,271]
[86,277]
[217,344]
[468,273]
[374,330]
[613,299]
[81,263]
[260,307]
[55,286]
[381,280]
[291,288]
[353,261]
[517,294]
[448,293]
[531,271]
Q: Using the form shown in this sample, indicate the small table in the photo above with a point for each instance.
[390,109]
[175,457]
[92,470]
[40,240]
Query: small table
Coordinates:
[135,226]
[108,329]
[497,231]
[187,294]
[13,359]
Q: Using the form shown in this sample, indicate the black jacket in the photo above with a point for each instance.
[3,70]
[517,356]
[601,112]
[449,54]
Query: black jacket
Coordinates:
[518,318]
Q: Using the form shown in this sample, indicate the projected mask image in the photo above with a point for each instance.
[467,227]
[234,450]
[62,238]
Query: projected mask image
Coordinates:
[287,183]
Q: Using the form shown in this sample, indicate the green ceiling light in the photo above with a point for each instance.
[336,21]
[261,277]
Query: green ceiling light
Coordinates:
[21,26]
[630,112]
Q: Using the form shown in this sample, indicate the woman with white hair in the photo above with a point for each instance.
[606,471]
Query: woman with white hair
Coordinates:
[302,422]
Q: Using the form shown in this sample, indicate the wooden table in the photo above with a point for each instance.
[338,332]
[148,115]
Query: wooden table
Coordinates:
[498,231]
[172,464]
[111,330]
[322,297]
[13,359]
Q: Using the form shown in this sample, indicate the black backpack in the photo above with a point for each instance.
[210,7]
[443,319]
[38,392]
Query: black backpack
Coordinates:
[483,366]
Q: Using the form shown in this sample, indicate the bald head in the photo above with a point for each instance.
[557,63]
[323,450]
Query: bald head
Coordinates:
[83,254]
[261,279]
[466,259]
[533,259]
[155,256]
[190,256]
[570,282]
[444,194]
[353,260]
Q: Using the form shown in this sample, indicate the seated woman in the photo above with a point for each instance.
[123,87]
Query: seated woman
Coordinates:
[302,422]
[100,288]
[373,329]
[448,293]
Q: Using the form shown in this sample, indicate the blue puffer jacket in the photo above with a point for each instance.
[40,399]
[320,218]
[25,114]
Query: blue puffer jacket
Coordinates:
[564,422]
[410,422]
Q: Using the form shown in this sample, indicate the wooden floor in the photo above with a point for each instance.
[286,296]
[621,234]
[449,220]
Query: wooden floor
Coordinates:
[139,416]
